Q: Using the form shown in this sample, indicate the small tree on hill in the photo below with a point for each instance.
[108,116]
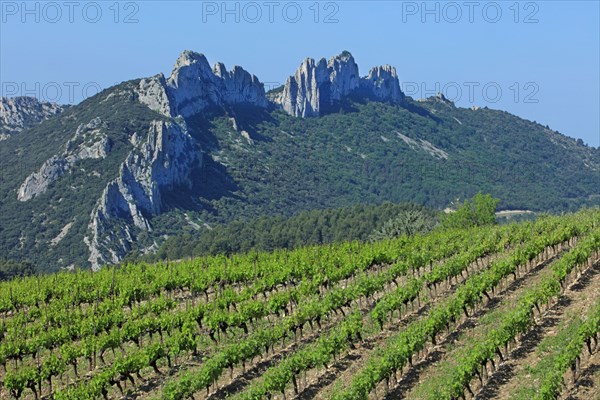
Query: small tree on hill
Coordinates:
[408,222]
[479,211]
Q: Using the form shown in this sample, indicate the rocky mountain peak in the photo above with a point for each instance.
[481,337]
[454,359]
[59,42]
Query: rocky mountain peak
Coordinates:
[382,84]
[242,87]
[314,89]
[193,85]
[344,77]
[440,98]
[301,95]
[317,86]
[189,57]
[220,70]
[344,56]
[342,61]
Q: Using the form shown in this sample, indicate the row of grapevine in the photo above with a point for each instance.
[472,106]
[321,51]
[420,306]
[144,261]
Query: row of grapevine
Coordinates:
[515,321]
[135,282]
[318,354]
[399,350]
[568,357]
[226,311]
[110,326]
[321,268]
[339,298]
[291,367]
[88,348]
[310,312]
[278,377]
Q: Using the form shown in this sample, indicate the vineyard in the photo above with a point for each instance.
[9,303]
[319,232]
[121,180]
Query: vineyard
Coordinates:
[505,311]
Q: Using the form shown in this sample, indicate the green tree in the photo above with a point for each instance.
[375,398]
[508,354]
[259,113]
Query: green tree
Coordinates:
[407,222]
[479,211]
[484,209]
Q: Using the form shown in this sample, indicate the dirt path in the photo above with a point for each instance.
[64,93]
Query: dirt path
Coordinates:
[577,300]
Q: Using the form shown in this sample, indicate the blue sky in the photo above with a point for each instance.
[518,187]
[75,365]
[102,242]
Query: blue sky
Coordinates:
[538,60]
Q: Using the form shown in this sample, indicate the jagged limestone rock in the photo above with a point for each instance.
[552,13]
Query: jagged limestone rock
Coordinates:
[153,93]
[315,87]
[343,75]
[193,86]
[442,99]
[18,113]
[163,161]
[301,95]
[240,87]
[382,84]
[89,141]
[38,182]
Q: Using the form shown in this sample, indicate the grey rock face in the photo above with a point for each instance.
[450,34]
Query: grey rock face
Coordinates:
[240,87]
[38,182]
[442,99]
[301,95]
[153,93]
[88,142]
[193,86]
[343,75]
[164,157]
[162,161]
[18,113]
[382,84]
[317,86]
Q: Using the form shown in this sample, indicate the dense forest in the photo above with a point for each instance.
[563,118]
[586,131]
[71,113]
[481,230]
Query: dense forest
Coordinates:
[280,232]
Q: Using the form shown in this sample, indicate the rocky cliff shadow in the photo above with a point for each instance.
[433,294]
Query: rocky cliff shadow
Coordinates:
[250,117]
[420,110]
[210,179]
[345,106]
[201,126]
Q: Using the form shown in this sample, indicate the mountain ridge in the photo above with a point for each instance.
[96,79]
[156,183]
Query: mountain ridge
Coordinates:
[135,158]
